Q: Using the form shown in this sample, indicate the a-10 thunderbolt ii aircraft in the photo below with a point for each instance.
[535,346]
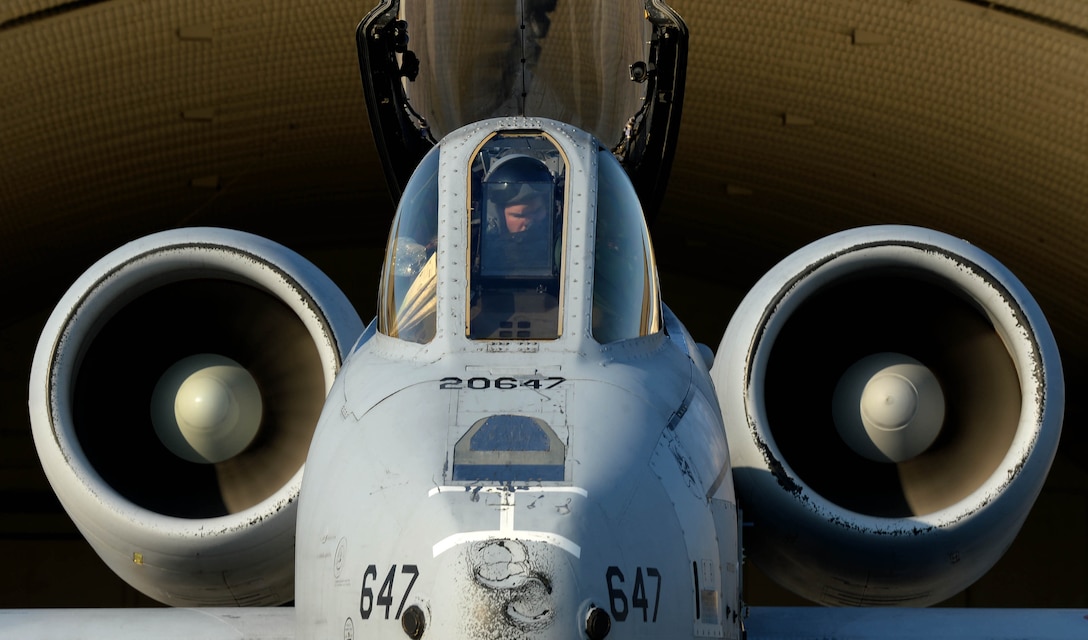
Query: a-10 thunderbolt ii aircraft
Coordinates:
[526,442]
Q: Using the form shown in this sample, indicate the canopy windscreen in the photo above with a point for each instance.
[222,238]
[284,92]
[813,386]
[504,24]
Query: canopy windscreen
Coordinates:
[565,60]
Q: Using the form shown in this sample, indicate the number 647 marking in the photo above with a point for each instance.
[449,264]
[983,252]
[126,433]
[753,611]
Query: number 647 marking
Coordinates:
[385,592]
[618,598]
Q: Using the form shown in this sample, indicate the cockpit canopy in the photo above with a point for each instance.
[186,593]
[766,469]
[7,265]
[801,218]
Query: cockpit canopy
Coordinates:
[406,295]
[613,68]
[524,238]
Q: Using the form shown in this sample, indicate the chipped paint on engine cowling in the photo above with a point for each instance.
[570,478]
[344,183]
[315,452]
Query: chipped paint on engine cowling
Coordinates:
[858,558]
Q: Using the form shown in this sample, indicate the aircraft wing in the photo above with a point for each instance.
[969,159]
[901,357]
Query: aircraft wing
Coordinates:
[889,623]
[220,623]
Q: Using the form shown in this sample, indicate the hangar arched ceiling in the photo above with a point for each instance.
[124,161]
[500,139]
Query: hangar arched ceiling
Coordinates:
[800,118]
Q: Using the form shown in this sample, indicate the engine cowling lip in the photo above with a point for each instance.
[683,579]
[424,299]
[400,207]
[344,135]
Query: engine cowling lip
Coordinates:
[115,526]
[985,280]
[111,289]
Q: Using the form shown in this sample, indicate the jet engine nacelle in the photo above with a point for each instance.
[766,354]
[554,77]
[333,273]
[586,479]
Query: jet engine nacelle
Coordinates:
[929,482]
[189,518]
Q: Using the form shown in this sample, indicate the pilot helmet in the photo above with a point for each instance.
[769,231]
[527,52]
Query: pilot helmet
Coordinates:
[516,178]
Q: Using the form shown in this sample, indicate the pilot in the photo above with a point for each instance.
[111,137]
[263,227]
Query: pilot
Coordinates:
[520,194]
[523,214]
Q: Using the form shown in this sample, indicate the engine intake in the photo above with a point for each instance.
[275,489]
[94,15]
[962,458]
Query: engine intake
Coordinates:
[837,520]
[185,532]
